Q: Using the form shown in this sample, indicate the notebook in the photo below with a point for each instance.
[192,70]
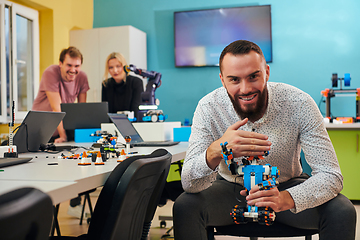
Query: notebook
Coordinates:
[126,128]
[84,115]
[36,129]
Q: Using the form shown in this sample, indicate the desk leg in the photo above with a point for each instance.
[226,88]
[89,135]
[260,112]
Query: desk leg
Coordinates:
[55,224]
[87,199]
[87,196]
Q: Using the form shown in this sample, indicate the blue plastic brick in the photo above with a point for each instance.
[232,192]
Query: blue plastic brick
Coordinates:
[182,134]
[83,135]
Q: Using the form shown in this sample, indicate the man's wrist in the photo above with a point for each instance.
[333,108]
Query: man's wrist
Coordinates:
[213,155]
[288,200]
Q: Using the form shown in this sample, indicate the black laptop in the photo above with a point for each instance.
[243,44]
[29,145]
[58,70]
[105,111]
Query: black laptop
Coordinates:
[36,129]
[126,128]
[84,115]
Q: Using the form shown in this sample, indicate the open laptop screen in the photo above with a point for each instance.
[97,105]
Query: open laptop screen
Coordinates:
[84,115]
[36,129]
[125,127]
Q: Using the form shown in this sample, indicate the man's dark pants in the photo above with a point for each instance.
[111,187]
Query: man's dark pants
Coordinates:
[193,212]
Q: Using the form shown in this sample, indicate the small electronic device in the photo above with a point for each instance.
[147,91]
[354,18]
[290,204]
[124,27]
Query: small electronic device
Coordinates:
[125,127]
[84,115]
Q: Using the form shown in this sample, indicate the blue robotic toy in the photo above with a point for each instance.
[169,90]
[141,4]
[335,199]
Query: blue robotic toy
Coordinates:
[253,174]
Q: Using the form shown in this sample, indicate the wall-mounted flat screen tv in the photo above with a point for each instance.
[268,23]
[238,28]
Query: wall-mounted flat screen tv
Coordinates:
[201,35]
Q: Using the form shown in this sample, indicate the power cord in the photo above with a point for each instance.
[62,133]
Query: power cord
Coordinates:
[51,148]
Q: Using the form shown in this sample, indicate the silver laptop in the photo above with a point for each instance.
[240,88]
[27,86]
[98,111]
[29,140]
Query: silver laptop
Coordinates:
[125,127]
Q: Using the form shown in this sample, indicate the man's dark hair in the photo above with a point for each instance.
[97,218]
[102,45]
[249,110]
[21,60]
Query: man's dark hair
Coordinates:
[240,47]
[73,53]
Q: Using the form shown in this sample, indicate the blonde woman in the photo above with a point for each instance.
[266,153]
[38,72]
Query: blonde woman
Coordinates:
[121,91]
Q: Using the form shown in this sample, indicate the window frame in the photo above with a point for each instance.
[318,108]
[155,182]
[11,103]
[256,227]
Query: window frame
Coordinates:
[33,82]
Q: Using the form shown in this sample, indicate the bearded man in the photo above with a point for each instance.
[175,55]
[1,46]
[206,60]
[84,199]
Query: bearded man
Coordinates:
[254,116]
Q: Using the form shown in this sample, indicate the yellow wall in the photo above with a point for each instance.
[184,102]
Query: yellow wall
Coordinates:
[56,19]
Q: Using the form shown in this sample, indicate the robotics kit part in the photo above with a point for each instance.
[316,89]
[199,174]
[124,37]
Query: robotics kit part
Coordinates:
[154,116]
[346,78]
[253,174]
[228,157]
[263,215]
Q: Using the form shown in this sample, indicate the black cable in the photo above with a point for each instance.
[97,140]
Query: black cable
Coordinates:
[17,127]
[53,149]
[86,148]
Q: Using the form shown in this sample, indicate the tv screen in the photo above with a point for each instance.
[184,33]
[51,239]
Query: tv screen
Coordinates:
[200,36]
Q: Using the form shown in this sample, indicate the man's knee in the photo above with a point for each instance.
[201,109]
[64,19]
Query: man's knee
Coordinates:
[341,208]
[186,203]
[179,204]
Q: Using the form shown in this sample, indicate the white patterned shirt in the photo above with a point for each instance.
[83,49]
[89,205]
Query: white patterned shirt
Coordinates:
[292,122]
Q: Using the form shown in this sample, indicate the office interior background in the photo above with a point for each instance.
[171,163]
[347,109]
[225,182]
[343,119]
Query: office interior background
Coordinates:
[310,41]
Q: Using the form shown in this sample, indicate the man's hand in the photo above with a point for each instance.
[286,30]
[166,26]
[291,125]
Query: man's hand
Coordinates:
[60,140]
[62,134]
[55,101]
[242,143]
[278,201]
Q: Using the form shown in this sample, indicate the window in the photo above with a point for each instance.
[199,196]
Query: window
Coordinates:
[19,60]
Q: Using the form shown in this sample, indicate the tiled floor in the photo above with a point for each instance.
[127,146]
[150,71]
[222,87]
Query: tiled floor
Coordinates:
[70,226]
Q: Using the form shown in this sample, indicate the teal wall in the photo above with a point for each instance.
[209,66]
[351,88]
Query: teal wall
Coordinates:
[311,40]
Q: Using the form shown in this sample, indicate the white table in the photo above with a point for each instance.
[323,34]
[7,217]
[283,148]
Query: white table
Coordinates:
[66,179]
[344,126]
[58,191]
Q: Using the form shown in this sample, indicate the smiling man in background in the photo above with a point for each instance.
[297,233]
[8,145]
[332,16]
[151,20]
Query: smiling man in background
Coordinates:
[63,83]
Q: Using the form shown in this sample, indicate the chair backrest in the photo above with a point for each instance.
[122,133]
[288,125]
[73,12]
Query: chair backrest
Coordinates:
[25,213]
[129,197]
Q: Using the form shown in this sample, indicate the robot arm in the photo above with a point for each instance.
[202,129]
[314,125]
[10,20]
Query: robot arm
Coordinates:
[229,158]
[154,81]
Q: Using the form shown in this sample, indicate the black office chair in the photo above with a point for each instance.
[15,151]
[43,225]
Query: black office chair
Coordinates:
[255,230]
[172,190]
[128,200]
[25,213]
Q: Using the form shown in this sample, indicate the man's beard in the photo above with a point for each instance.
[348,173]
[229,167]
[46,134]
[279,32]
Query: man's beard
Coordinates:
[254,113]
